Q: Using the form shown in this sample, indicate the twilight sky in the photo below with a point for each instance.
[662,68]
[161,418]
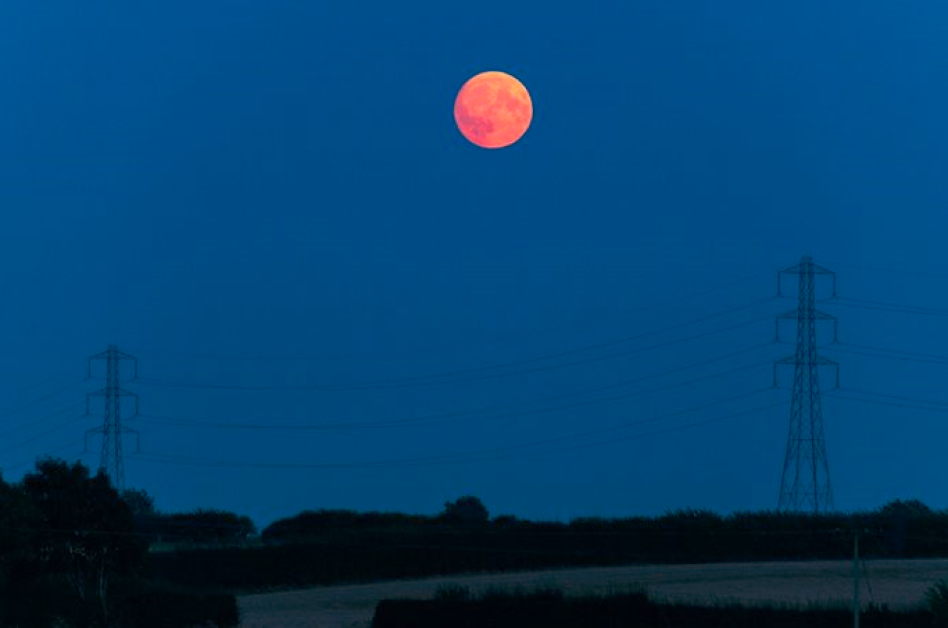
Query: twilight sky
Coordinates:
[338,302]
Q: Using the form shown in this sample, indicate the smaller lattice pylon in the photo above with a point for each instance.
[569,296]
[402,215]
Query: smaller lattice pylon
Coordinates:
[112,460]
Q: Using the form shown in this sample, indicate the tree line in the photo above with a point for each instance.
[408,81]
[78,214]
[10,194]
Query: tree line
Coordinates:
[898,529]
[324,547]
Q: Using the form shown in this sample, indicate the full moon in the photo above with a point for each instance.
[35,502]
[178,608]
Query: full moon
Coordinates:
[493,110]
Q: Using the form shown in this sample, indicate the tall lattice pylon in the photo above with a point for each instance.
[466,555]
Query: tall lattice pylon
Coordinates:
[805,485]
[112,460]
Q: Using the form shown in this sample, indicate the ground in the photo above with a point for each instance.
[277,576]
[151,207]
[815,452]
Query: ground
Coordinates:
[898,583]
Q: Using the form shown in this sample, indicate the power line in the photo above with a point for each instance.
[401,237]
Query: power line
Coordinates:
[483,455]
[479,343]
[36,384]
[889,354]
[440,420]
[471,415]
[43,434]
[40,400]
[670,430]
[921,405]
[460,376]
[882,306]
[882,269]
[423,379]
[895,397]
[69,445]
[40,420]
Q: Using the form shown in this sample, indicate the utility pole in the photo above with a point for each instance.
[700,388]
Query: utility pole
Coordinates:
[856,580]
[112,460]
[805,484]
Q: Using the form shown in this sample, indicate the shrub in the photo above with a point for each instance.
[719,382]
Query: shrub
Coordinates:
[452,593]
[157,605]
[937,598]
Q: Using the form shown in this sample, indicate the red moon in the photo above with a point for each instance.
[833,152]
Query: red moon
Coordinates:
[493,110]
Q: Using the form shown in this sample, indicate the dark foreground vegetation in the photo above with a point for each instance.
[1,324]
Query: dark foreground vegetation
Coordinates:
[70,556]
[333,547]
[550,609]
[74,551]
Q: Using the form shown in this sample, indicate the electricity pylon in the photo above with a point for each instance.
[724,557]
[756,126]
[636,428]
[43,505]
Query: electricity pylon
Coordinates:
[805,484]
[112,460]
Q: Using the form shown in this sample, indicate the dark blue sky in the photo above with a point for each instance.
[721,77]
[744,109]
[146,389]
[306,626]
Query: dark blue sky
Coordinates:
[274,196]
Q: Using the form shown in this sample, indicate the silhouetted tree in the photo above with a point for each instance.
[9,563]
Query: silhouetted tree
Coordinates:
[898,519]
[17,525]
[465,510]
[208,526]
[84,533]
[139,502]
[937,598]
[506,521]
[905,509]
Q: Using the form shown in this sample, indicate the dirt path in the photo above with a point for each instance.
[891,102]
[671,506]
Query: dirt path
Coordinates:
[898,583]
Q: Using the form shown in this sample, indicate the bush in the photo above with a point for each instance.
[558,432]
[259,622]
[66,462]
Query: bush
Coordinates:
[452,592]
[156,605]
[937,598]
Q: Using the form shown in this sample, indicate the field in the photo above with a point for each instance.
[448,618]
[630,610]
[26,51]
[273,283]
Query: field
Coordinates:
[898,583]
